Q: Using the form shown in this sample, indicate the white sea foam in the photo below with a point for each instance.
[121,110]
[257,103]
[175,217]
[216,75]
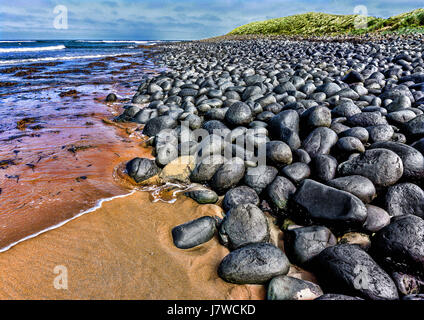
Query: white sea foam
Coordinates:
[17,41]
[33,49]
[64,58]
[95,208]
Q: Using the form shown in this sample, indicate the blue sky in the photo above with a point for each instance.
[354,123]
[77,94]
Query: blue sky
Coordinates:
[165,19]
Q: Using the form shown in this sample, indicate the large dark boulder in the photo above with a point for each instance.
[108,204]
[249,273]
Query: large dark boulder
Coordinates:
[303,244]
[405,198]
[228,175]
[347,269]
[141,169]
[260,177]
[399,246]
[280,191]
[287,288]
[238,196]
[382,166]
[194,233]
[320,141]
[239,114]
[156,125]
[285,127]
[243,225]
[254,264]
[412,159]
[329,205]
[359,186]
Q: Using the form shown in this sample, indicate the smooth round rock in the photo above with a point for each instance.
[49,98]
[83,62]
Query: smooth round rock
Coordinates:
[243,225]
[238,196]
[141,169]
[260,177]
[349,270]
[377,219]
[228,175]
[359,186]
[280,191]
[302,244]
[399,246]
[239,114]
[382,166]
[194,233]
[288,288]
[254,264]
[405,198]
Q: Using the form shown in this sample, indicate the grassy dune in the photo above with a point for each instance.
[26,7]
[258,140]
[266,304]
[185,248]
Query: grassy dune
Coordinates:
[319,24]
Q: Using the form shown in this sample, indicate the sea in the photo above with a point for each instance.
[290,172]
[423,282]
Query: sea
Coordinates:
[59,147]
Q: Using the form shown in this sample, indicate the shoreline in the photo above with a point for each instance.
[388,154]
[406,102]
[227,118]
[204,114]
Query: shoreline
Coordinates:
[335,151]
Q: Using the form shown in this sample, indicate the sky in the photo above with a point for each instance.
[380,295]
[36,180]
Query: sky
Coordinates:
[162,19]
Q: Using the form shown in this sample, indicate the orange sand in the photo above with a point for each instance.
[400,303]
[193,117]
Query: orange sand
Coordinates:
[122,251]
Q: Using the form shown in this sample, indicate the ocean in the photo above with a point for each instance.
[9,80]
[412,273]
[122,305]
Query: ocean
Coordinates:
[59,150]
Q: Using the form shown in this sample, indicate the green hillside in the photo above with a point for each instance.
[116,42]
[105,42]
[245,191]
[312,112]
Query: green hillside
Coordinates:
[319,24]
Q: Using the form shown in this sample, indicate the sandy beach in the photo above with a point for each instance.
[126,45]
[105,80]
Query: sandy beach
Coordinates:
[122,251]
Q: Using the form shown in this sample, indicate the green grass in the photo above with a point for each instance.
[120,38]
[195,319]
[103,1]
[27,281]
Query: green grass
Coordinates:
[320,24]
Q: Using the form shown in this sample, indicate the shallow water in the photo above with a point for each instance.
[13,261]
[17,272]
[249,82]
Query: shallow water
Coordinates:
[57,154]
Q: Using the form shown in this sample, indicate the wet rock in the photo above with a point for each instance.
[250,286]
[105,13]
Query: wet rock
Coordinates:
[359,186]
[260,177]
[239,114]
[405,198]
[380,133]
[324,167]
[350,145]
[399,246]
[285,127]
[111,97]
[377,219]
[178,170]
[297,172]
[323,203]
[280,191]
[289,288]
[243,225]
[353,77]
[382,166]
[301,155]
[412,159]
[415,127]
[206,169]
[228,175]
[254,264]
[347,269]
[203,196]
[367,119]
[346,109]
[318,117]
[238,196]
[279,153]
[320,141]
[141,169]
[194,233]
[357,132]
[302,244]
[156,125]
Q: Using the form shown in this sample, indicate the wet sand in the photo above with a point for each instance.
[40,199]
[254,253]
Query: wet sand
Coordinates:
[124,250]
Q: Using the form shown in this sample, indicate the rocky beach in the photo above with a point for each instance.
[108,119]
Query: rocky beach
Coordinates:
[239,167]
[313,148]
